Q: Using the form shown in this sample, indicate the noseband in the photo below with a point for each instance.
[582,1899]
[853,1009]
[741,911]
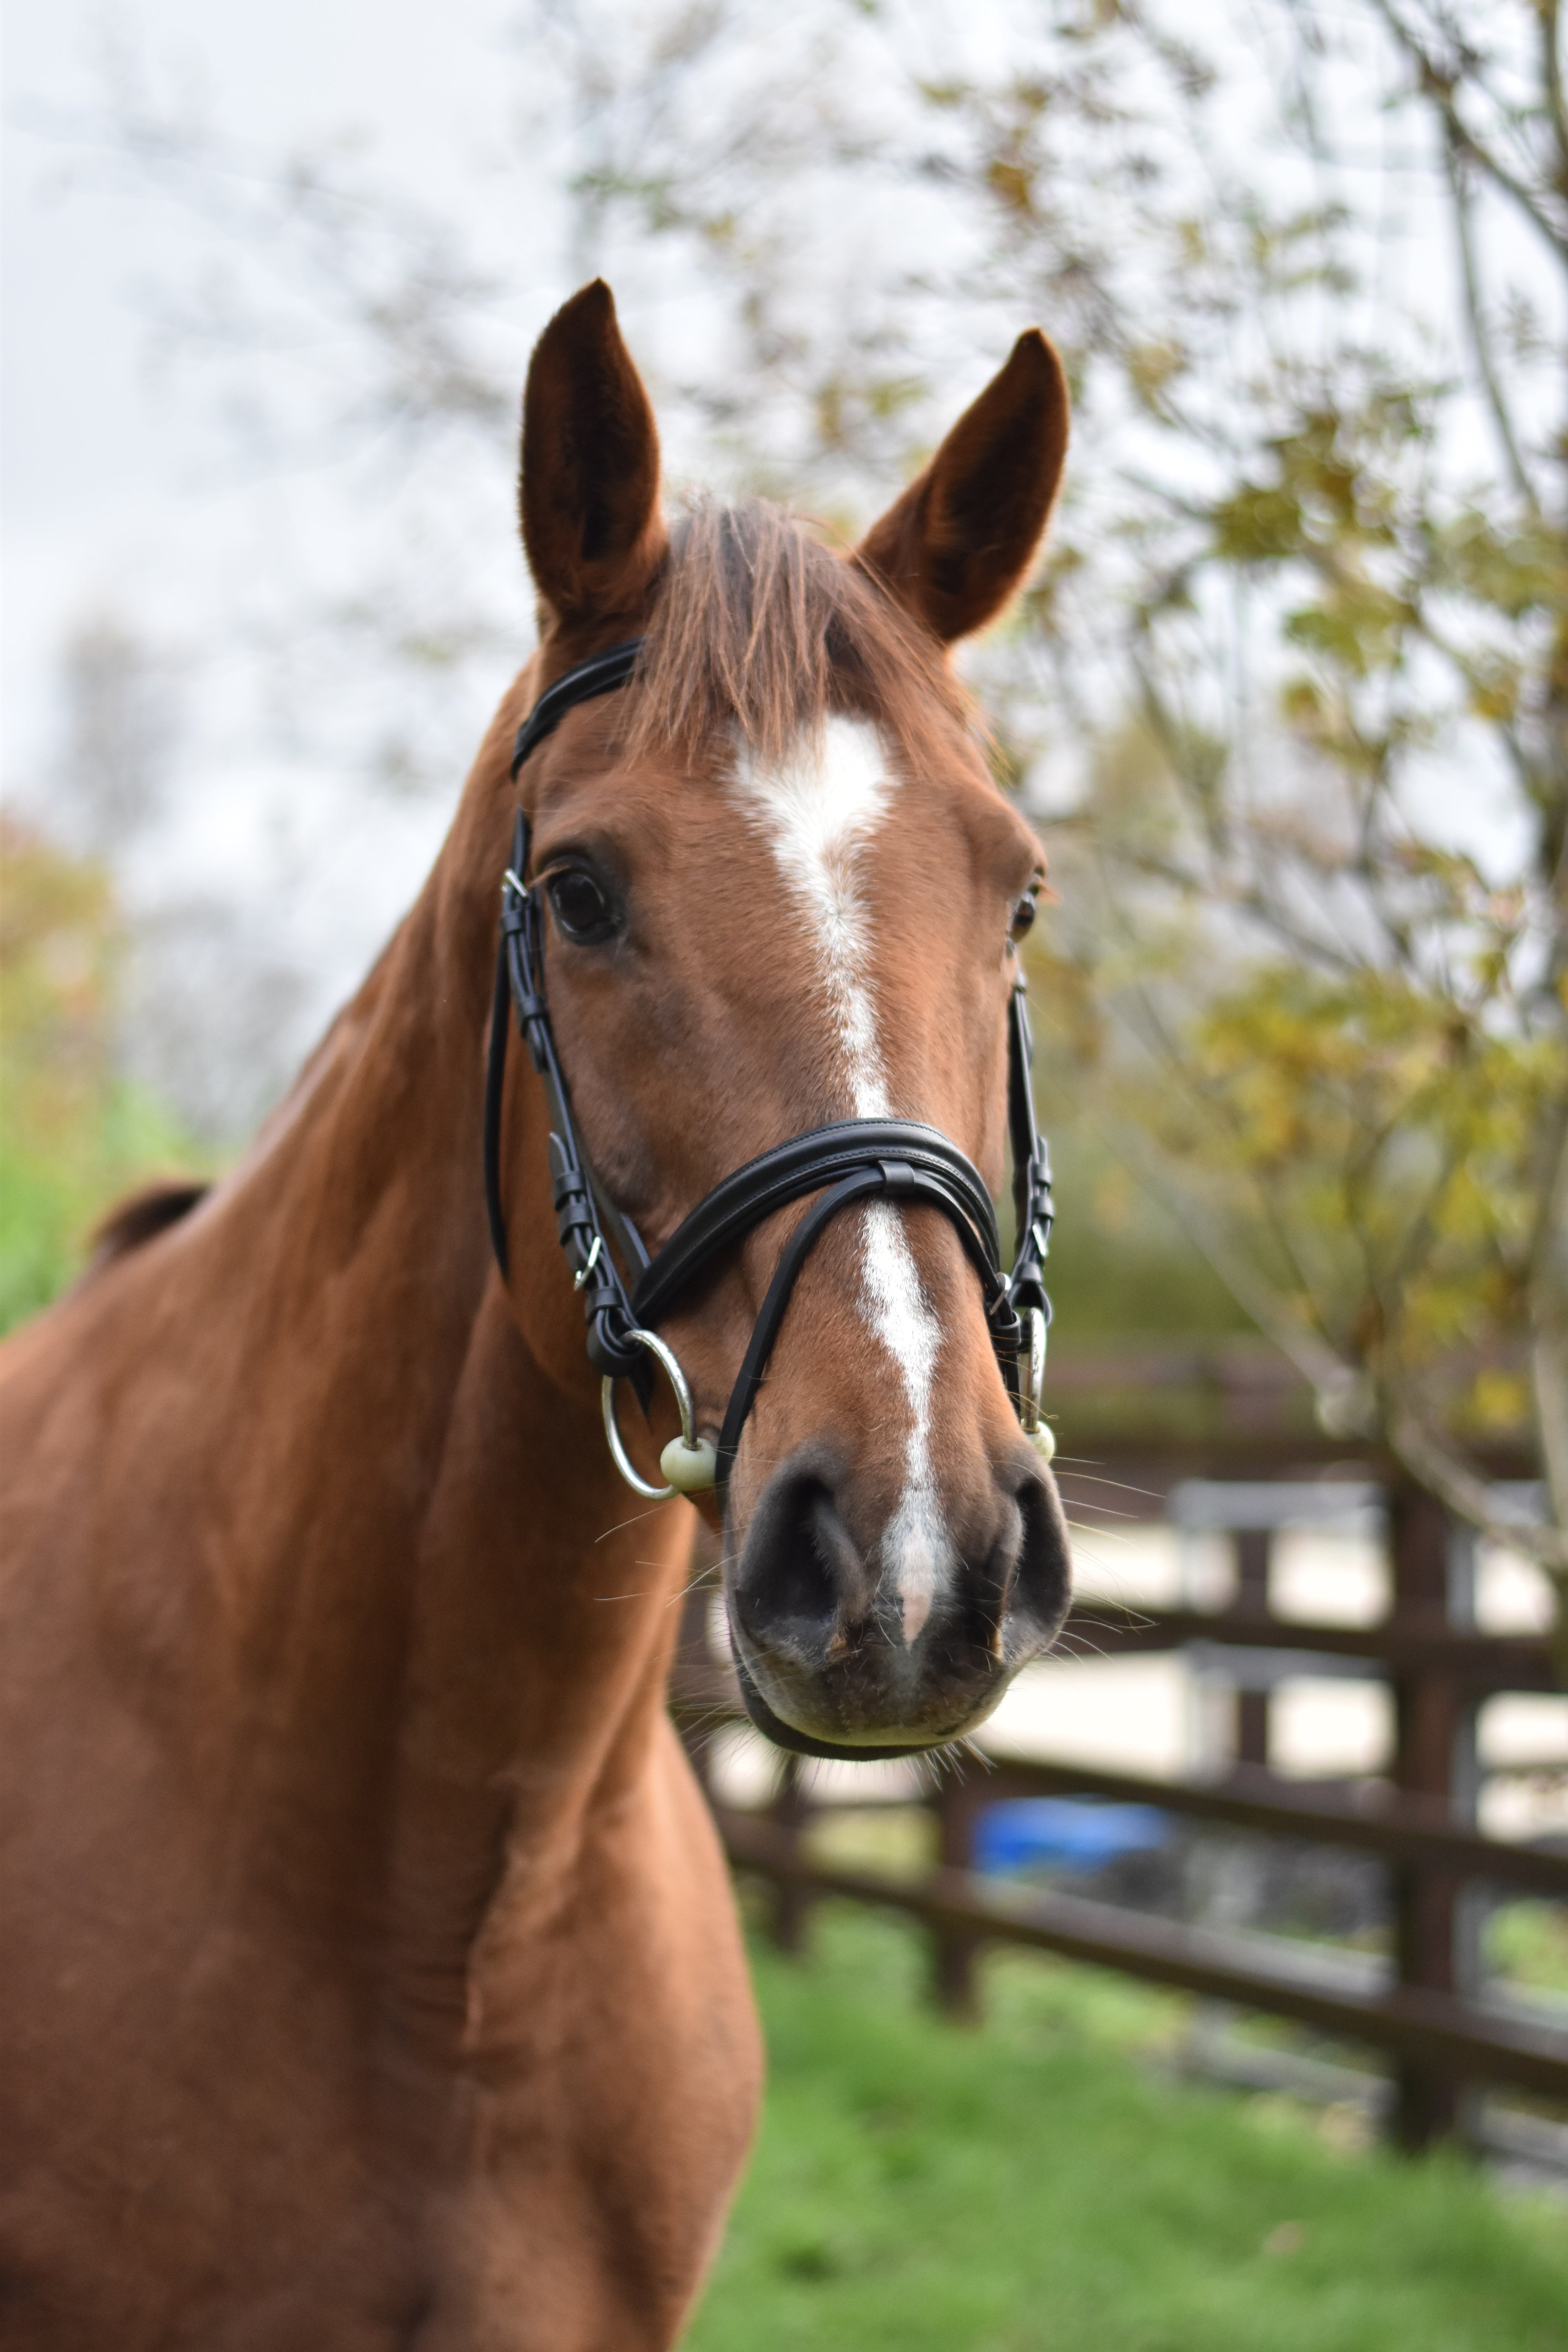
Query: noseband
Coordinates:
[849,1162]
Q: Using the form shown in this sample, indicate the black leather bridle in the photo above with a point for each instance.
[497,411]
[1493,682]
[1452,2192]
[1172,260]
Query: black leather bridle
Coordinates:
[847,1162]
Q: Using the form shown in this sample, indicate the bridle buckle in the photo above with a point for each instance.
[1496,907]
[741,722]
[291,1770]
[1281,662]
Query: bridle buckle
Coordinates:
[584,1271]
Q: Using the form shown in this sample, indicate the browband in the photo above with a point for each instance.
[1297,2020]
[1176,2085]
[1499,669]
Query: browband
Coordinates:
[846,1163]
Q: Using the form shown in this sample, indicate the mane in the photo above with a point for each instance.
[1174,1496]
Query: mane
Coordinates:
[761,627]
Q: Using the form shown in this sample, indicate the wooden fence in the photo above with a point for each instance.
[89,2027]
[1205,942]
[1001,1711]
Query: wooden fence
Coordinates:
[1440,2032]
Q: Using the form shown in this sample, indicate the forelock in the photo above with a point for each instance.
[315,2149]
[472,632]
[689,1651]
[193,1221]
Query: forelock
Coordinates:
[759,627]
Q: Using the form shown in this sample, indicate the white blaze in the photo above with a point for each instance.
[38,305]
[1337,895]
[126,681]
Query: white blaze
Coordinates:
[819,811]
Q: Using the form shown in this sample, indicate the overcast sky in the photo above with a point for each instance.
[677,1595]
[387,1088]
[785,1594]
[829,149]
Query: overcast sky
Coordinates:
[98,447]
[118,491]
[123,492]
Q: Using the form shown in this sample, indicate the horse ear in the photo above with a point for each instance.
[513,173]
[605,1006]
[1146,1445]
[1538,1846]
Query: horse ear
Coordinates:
[589,493]
[957,544]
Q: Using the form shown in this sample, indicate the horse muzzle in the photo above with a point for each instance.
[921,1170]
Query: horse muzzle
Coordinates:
[855,1635]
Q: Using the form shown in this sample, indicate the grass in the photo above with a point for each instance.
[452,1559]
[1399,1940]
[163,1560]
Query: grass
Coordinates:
[1528,1943]
[1045,2184]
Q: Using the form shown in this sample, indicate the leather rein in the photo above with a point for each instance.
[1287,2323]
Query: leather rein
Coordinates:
[846,1164]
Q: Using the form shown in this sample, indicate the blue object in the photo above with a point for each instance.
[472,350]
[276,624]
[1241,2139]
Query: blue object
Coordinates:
[1069,1833]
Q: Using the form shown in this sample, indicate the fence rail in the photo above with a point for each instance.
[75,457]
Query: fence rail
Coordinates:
[1412,2023]
[1370,1821]
[1481,1661]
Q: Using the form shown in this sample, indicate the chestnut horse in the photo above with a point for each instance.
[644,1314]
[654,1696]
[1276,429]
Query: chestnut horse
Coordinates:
[370,1975]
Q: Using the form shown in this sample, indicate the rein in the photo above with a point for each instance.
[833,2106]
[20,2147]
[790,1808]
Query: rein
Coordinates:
[847,1162]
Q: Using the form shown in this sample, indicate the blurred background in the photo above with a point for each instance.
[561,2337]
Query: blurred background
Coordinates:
[1287,701]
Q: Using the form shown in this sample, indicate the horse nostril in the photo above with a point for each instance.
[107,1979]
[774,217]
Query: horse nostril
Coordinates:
[802,1575]
[1015,1592]
[988,1588]
[1041,1576]
[808,1599]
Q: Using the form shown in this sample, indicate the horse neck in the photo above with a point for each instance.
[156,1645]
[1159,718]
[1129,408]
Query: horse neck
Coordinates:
[436,1627]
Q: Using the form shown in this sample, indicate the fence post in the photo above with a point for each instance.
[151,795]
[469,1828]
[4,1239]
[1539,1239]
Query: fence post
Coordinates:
[1254,1550]
[1434,1759]
[958,1800]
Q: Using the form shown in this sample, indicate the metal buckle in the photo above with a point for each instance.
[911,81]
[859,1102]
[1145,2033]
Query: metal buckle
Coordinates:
[581,1276]
[1038,1430]
[1035,1379]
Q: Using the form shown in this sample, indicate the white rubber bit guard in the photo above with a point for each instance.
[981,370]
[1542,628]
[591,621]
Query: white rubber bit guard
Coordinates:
[690,1469]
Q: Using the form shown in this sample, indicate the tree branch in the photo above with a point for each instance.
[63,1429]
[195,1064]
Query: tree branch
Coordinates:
[1251,1291]
[1551,80]
[1501,420]
[1437,86]
[1331,1379]
[1429,1459]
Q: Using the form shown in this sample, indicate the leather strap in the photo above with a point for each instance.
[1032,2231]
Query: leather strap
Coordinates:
[880,1179]
[805,1164]
[520,977]
[600,674]
[850,1161]
[1033,1212]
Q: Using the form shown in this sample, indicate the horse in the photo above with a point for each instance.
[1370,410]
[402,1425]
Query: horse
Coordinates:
[370,1974]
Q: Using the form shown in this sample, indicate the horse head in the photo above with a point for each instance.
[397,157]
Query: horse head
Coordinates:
[775,891]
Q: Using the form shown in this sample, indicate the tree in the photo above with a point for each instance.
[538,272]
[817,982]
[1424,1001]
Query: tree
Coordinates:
[74,1133]
[1290,696]
[121,725]
[1345,1029]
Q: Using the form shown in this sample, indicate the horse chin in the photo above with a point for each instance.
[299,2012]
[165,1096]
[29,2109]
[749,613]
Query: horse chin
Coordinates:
[872,1748]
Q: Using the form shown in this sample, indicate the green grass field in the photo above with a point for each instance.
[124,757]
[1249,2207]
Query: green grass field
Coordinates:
[1045,2184]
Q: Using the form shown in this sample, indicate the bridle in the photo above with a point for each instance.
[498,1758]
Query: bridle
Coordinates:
[848,1163]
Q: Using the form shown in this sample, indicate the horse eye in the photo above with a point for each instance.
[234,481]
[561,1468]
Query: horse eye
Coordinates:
[1023,914]
[581,909]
